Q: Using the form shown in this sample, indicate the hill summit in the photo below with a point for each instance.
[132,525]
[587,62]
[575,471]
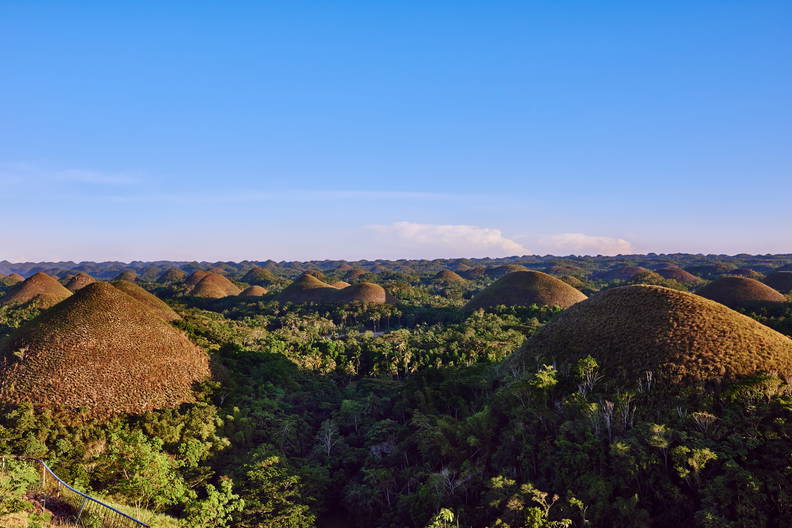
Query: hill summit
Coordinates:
[102,350]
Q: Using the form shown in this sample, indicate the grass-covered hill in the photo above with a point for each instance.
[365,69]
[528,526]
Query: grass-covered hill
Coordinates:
[524,288]
[679,337]
[741,292]
[103,350]
[79,281]
[214,286]
[40,289]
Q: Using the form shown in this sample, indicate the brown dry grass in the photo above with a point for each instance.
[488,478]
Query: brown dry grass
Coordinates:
[102,350]
[214,286]
[740,292]
[679,275]
[573,281]
[354,274]
[171,275]
[746,272]
[126,275]
[306,288]
[625,273]
[677,335]
[253,291]
[340,284]
[500,271]
[448,277]
[151,301]
[195,277]
[524,288]
[363,292]
[79,281]
[40,289]
[780,280]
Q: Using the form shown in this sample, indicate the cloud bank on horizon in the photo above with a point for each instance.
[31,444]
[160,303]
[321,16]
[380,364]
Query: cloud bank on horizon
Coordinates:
[416,240]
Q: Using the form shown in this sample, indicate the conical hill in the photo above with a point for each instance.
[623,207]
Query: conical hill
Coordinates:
[524,288]
[40,289]
[677,336]
[741,292]
[102,350]
[214,286]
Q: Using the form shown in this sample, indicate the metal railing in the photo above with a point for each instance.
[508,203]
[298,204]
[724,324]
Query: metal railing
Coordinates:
[82,510]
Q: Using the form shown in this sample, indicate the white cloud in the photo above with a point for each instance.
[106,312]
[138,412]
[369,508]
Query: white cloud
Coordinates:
[29,173]
[411,240]
[581,244]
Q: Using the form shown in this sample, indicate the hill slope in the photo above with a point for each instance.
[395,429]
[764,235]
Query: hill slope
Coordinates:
[151,301]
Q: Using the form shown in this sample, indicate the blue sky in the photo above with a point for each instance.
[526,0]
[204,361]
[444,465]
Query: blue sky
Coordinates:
[310,130]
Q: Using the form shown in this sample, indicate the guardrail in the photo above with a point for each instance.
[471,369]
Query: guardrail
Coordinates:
[87,511]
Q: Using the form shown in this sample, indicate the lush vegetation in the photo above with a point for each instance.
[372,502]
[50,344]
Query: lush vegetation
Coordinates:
[402,415]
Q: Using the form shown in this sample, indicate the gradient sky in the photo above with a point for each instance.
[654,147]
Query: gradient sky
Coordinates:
[311,130]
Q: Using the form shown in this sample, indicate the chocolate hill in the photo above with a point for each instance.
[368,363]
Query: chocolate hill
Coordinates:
[340,284]
[253,291]
[500,271]
[625,273]
[259,276]
[102,350]
[195,277]
[171,275]
[306,288]
[151,301]
[679,275]
[780,280]
[678,336]
[746,272]
[214,286]
[354,274]
[447,277]
[127,275]
[10,280]
[524,288]
[362,292]
[79,281]
[39,289]
[740,292]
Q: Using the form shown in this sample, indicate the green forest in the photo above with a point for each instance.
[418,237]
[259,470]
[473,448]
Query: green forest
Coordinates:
[410,414]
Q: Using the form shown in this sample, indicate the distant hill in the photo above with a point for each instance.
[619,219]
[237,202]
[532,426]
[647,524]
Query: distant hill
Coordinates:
[524,288]
[259,276]
[253,291]
[214,286]
[79,281]
[126,275]
[171,275]
[39,289]
[740,292]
